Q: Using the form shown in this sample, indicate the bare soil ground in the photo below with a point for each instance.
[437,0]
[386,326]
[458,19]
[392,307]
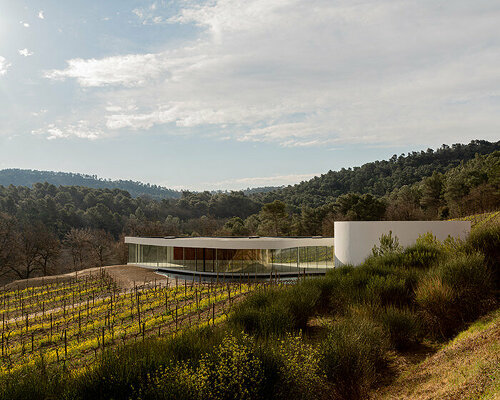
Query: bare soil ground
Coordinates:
[466,368]
[125,277]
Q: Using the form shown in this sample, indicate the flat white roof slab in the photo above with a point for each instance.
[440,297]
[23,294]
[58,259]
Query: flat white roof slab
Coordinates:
[233,243]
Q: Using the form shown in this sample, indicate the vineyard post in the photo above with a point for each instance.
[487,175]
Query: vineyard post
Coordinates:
[51,327]
[32,341]
[138,309]
[176,315]
[103,339]
[65,345]
[143,330]
[26,322]
[185,288]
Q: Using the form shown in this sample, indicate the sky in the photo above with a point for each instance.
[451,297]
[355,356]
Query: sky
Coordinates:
[230,94]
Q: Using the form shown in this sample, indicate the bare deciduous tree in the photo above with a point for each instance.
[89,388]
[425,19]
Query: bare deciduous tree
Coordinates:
[101,246]
[49,250]
[9,243]
[77,241]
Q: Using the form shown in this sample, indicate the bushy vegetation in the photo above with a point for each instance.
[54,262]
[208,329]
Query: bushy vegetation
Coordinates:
[352,353]
[328,337]
[487,241]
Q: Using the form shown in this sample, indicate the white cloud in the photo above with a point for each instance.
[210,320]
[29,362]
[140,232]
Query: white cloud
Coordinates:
[276,180]
[4,66]
[25,24]
[131,70]
[80,129]
[249,182]
[312,73]
[39,113]
[25,52]
[41,14]
[148,15]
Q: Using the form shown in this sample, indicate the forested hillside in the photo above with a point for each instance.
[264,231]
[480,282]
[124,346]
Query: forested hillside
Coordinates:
[380,177]
[47,226]
[28,177]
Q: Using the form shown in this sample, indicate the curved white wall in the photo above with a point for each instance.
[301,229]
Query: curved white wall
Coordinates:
[354,240]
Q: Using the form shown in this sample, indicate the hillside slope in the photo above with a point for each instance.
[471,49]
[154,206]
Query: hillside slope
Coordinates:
[466,368]
[379,177]
[29,177]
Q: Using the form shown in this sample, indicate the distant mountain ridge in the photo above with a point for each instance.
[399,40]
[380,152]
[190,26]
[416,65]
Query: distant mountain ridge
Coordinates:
[28,177]
[378,178]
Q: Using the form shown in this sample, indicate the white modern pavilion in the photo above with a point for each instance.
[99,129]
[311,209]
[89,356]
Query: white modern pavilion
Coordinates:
[287,256]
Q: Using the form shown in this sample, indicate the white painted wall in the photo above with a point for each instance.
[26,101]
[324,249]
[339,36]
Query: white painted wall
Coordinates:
[354,240]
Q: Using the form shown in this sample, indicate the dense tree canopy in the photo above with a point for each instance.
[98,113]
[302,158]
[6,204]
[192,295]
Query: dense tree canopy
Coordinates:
[378,178]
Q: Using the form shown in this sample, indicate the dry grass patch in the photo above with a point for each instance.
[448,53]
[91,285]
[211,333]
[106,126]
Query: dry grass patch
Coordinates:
[466,368]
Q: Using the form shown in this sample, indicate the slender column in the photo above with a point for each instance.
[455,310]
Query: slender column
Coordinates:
[204,259]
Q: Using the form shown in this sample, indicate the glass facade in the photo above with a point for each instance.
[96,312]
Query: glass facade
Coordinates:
[243,261]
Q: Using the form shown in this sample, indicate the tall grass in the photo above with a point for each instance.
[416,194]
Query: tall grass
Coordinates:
[486,240]
[456,292]
[402,325]
[352,355]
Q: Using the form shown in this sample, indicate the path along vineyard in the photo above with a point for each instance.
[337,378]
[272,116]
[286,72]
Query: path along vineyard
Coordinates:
[71,323]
